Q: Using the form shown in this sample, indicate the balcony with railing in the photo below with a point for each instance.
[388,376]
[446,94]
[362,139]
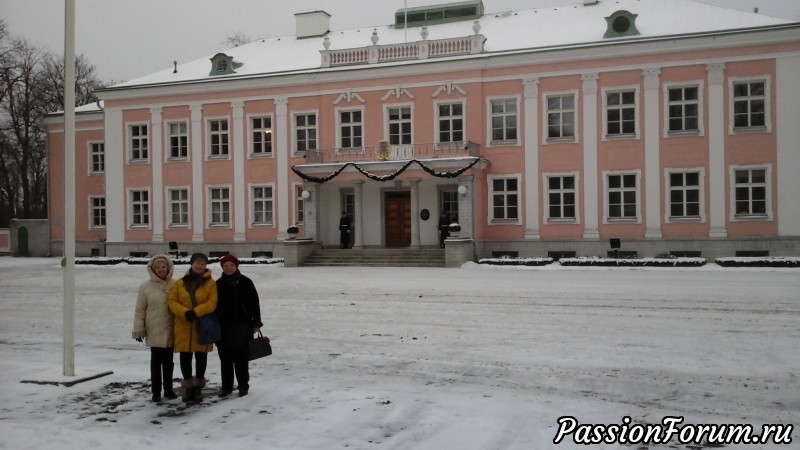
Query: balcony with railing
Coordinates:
[384,152]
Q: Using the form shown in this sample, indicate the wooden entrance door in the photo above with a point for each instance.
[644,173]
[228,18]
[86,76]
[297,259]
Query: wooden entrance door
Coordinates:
[398,219]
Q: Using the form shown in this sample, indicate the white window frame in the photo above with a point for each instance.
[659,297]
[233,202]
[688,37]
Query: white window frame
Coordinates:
[170,202]
[606,192]
[253,200]
[546,204]
[767,127]
[700,131]
[768,216]
[251,131]
[211,201]
[668,217]
[185,136]
[387,122]
[299,204]
[437,119]
[490,191]
[546,139]
[131,138]
[340,147]
[132,203]
[637,125]
[211,133]
[491,142]
[93,153]
[295,130]
[93,208]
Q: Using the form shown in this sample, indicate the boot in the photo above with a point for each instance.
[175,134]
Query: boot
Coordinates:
[197,388]
[186,387]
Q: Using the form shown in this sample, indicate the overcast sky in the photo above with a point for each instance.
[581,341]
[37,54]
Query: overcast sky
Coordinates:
[127,39]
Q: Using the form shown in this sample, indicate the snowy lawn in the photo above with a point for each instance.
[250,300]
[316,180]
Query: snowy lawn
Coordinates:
[480,357]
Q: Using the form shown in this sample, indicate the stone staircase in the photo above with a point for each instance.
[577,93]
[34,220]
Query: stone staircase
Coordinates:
[377,257]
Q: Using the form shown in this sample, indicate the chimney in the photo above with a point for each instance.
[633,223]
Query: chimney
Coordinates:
[312,24]
[589,2]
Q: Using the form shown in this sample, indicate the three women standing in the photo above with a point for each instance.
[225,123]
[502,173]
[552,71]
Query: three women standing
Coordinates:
[193,296]
[239,315]
[153,323]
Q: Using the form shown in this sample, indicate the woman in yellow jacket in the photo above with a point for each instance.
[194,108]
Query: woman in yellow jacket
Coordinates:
[193,296]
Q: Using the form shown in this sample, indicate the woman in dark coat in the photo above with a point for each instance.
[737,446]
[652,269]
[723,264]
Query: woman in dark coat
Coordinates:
[239,315]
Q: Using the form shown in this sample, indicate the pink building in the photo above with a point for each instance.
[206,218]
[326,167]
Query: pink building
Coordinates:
[669,125]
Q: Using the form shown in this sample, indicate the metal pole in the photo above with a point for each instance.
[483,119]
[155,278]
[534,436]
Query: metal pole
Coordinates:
[69,187]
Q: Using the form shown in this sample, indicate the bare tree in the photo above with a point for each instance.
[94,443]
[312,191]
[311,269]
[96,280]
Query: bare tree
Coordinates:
[236,39]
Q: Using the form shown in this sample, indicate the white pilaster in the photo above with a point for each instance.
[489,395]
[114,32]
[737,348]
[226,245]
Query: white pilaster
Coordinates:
[415,239]
[282,150]
[239,151]
[116,200]
[716,149]
[198,207]
[652,180]
[788,130]
[157,163]
[590,183]
[358,221]
[531,136]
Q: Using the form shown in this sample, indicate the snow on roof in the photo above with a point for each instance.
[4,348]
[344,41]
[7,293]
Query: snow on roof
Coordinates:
[504,31]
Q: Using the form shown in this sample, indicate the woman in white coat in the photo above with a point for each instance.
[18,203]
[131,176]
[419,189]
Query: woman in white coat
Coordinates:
[153,323]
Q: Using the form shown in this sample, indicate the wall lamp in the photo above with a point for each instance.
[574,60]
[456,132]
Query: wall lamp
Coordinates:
[462,190]
[306,195]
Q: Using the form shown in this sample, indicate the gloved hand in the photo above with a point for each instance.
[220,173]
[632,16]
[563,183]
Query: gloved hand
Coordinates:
[190,315]
[139,339]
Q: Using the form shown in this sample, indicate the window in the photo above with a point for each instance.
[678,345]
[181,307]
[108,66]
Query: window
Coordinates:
[97,205]
[449,202]
[262,205]
[504,120]
[561,197]
[300,205]
[399,125]
[178,207]
[218,137]
[749,104]
[351,128]
[140,208]
[561,116]
[505,200]
[178,140]
[622,196]
[750,191]
[621,113]
[305,132]
[138,142]
[684,195]
[261,135]
[220,206]
[97,157]
[683,109]
[451,122]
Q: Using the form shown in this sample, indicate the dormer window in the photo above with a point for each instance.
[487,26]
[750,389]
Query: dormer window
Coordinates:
[222,64]
[621,23]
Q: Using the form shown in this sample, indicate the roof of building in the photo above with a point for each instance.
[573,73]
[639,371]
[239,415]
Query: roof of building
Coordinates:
[543,28]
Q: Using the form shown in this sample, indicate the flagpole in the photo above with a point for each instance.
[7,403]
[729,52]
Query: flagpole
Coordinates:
[69,188]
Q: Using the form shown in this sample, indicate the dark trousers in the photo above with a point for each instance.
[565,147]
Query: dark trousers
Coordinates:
[234,360]
[201,361]
[161,367]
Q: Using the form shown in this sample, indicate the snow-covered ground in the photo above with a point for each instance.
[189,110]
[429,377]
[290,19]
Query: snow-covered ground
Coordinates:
[480,357]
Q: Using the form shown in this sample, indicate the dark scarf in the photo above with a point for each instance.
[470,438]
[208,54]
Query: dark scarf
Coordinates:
[230,280]
[192,281]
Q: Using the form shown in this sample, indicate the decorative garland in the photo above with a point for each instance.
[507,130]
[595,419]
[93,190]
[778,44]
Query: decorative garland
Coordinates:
[389,177]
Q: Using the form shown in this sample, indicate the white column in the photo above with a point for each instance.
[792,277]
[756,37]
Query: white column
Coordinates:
[652,180]
[415,240]
[787,112]
[358,221]
[116,200]
[716,149]
[239,151]
[531,135]
[311,222]
[198,156]
[466,206]
[590,182]
[157,163]
[282,150]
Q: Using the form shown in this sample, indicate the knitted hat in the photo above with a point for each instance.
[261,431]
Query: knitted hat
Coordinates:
[196,256]
[229,258]
[163,258]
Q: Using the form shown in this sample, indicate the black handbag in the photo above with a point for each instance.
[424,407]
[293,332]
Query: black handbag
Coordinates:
[259,347]
[208,329]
